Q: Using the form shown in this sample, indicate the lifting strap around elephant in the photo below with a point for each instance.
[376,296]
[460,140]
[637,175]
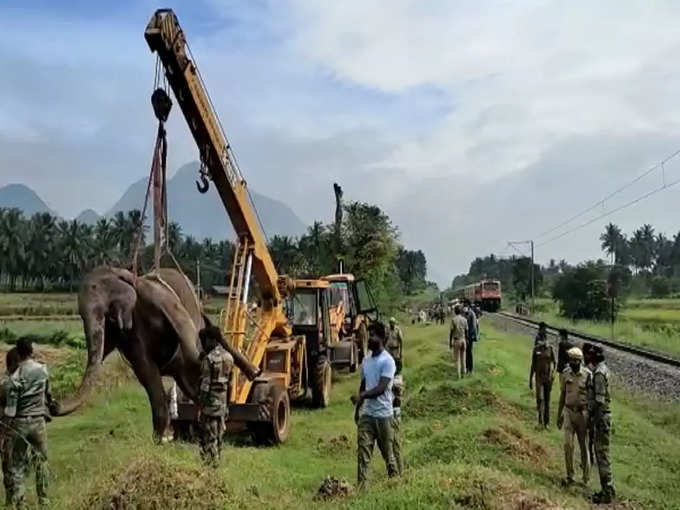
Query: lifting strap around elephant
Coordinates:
[157,181]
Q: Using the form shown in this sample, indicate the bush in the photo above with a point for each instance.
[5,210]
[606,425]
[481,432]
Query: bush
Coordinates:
[582,292]
[660,287]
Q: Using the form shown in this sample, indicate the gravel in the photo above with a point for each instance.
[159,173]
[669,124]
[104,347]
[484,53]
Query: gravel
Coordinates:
[641,375]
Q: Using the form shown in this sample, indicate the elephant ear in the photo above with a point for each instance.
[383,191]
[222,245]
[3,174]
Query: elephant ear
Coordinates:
[153,290]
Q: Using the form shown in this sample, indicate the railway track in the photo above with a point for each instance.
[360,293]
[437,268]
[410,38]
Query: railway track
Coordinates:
[619,346]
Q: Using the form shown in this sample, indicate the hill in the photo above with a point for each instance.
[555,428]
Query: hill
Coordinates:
[88,217]
[203,215]
[22,197]
[199,215]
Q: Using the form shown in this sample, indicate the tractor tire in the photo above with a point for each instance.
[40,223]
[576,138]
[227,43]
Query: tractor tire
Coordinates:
[276,430]
[354,358]
[362,340]
[322,379]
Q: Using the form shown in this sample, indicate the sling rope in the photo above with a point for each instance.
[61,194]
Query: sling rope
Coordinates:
[161,103]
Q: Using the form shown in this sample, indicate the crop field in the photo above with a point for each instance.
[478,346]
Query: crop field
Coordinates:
[651,323]
[468,444]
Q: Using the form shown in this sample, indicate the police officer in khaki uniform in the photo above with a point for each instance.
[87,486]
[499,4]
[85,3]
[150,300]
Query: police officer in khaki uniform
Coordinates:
[395,342]
[575,385]
[543,369]
[600,415]
[216,367]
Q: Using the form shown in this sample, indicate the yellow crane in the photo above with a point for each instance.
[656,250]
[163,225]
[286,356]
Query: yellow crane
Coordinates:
[264,336]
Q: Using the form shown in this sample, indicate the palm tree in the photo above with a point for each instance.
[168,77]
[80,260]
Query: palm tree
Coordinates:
[174,236]
[12,244]
[611,239]
[104,245]
[73,250]
[41,253]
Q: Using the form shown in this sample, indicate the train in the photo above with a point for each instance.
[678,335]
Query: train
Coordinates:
[486,294]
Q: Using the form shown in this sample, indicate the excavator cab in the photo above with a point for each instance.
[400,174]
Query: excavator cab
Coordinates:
[359,310]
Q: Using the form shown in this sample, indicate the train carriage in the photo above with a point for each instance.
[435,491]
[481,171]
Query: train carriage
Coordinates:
[486,294]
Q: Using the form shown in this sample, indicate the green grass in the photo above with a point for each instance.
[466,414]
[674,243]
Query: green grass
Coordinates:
[54,332]
[27,304]
[468,444]
[650,323]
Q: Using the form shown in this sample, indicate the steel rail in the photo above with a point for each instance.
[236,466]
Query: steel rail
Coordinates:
[638,351]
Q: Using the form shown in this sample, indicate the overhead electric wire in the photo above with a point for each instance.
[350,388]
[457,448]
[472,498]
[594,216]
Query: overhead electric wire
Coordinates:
[600,203]
[609,213]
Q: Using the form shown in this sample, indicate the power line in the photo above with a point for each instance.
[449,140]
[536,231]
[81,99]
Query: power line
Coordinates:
[600,203]
[609,213]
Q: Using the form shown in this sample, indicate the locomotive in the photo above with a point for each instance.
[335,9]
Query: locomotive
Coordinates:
[486,294]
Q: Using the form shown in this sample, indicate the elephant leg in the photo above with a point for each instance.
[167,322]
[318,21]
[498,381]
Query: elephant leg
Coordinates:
[149,376]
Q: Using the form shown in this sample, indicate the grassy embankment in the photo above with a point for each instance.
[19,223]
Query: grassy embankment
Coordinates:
[651,323]
[468,444]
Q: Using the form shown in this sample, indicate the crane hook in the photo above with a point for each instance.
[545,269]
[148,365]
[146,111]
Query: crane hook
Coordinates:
[202,186]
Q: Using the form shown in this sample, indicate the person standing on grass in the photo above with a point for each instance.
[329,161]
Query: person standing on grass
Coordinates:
[575,385]
[542,333]
[562,348]
[374,413]
[11,363]
[471,336]
[398,392]
[600,415]
[216,368]
[457,335]
[543,371]
[395,342]
[29,402]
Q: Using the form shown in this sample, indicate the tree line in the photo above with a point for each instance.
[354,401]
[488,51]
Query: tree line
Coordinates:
[644,263]
[45,252]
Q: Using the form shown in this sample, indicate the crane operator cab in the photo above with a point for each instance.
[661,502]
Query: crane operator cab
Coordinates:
[308,309]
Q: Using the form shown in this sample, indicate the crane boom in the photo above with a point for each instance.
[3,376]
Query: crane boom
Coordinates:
[165,37]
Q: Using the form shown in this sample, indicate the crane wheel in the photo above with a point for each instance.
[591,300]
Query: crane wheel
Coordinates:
[362,339]
[276,430]
[354,359]
[321,382]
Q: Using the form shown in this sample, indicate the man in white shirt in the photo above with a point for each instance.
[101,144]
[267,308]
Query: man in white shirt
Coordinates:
[374,412]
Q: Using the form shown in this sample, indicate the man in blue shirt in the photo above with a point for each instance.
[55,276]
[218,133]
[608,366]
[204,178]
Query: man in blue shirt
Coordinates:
[373,412]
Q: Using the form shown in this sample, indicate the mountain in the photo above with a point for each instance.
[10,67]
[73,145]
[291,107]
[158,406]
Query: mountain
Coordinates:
[204,215]
[88,217]
[24,198]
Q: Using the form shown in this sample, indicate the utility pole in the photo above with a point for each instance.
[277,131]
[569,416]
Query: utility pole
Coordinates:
[530,242]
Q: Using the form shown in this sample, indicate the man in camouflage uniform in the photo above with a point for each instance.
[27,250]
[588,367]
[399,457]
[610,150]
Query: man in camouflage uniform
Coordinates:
[600,415]
[216,367]
[12,363]
[395,342]
[28,402]
[575,386]
[543,369]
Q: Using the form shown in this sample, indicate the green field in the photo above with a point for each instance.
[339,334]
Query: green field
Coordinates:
[650,323]
[468,444]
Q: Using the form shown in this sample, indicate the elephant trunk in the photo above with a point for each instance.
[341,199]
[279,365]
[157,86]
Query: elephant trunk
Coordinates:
[94,325]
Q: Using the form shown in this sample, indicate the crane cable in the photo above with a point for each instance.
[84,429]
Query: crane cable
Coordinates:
[161,103]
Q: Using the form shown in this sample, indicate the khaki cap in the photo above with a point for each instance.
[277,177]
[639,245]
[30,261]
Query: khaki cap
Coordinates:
[575,353]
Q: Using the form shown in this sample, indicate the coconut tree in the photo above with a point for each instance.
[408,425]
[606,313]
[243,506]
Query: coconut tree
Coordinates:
[12,244]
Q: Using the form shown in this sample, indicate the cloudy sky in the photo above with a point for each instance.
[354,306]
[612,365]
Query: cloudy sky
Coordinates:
[470,123]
